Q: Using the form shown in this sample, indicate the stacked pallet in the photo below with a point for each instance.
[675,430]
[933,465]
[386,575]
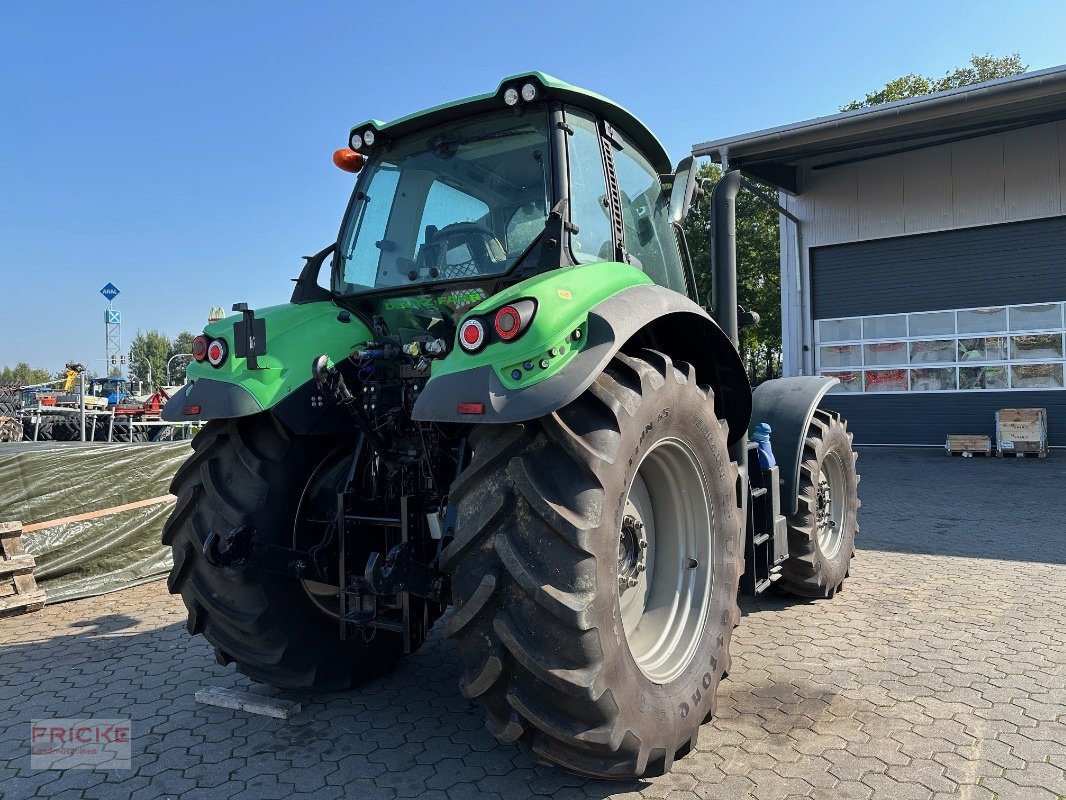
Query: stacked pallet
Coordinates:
[1021,432]
[18,588]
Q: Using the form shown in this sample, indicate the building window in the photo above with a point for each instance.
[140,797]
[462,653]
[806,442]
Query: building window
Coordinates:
[1021,347]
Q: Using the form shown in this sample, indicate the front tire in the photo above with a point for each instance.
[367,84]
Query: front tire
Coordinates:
[253,471]
[821,535]
[541,567]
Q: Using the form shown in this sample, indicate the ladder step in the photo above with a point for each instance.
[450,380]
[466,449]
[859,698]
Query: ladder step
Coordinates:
[380,624]
[393,522]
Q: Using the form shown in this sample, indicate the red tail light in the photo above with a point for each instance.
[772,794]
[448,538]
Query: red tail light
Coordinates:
[470,408]
[216,353]
[508,323]
[199,348]
[471,336]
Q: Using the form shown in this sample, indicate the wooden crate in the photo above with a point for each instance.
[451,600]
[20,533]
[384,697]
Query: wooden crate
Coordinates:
[968,445]
[1021,432]
[18,587]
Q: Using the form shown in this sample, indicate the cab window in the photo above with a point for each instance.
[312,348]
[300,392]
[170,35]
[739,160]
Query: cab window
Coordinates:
[650,236]
[588,191]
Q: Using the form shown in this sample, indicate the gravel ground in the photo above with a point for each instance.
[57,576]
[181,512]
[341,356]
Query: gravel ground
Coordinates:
[938,672]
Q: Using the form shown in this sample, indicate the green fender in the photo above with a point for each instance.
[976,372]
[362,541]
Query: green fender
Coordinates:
[585,315]
[295,334]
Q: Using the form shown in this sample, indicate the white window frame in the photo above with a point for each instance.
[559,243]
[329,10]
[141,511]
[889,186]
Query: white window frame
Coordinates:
[1006,363]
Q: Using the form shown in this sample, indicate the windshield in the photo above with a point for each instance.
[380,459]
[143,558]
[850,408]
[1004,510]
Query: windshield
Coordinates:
[454,202]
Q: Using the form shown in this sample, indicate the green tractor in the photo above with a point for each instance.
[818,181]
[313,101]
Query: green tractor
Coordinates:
[503,395]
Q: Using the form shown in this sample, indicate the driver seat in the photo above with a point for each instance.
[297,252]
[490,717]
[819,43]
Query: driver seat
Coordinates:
[461,250]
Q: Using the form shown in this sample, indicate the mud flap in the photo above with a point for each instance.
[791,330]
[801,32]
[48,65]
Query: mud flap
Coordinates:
[787,405]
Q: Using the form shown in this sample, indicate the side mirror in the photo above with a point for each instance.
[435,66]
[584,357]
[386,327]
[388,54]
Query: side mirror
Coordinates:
[307,288]
[683,189]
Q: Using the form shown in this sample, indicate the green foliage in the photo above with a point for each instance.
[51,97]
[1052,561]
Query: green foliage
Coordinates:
[182,344]
[148,358]
[758,270]
[157,349]
[22,374]
[980,69]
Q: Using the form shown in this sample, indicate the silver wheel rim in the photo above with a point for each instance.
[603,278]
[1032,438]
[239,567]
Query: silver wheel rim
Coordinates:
[829,507]
[665,560]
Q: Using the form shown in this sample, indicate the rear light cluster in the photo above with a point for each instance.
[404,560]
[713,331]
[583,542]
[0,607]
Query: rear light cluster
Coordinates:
[508,324]
[213,351]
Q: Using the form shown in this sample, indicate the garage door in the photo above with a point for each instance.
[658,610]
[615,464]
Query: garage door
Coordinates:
[931,334]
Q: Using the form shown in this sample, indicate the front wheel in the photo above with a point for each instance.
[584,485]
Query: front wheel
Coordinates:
[821,535]
[595,571]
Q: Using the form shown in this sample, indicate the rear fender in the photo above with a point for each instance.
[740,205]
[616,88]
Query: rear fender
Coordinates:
[637,316]
[295,335]
[787,405]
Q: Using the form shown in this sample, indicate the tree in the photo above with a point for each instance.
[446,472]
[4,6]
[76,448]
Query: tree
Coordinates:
[151,348]
[182,344]
[758,270]
[22,374]
[980,69]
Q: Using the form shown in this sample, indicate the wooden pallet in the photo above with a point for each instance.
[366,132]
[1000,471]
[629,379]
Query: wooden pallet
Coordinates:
[18,588]
[965,445]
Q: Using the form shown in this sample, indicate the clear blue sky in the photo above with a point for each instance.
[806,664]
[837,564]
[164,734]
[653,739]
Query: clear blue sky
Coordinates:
[182,149]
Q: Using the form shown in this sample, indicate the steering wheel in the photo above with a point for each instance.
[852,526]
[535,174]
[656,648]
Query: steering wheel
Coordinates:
[484,249]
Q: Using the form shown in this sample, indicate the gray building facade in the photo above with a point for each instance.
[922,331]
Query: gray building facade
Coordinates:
[923,256]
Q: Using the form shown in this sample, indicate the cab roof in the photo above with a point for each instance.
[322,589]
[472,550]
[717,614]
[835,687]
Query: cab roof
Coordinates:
[551,88]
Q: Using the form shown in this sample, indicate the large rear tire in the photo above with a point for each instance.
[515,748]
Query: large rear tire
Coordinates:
[44,429]
[821,535]
[253,471]
[599,665]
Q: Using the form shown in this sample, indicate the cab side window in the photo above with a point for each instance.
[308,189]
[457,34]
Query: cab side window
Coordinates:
[650,236]
[588,191]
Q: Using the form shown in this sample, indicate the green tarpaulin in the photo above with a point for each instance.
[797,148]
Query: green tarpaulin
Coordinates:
[97,552]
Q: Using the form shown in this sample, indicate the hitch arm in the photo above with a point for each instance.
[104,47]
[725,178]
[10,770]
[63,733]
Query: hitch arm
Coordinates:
[399,572]
[330,382]
[239,548]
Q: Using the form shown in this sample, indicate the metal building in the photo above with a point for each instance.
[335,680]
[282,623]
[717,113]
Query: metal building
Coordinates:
[927,269]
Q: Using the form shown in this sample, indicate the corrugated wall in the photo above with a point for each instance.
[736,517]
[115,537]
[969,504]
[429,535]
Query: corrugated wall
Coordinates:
[929,418]
[1004,177]
[1019,262]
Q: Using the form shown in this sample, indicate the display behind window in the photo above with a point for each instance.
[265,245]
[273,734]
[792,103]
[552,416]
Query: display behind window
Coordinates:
[970,349]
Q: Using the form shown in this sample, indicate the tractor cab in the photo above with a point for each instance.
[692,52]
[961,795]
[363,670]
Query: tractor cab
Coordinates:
[114,388]
[458,202]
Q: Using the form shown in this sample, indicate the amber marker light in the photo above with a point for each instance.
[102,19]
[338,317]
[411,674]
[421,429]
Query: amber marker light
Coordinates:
[348,160]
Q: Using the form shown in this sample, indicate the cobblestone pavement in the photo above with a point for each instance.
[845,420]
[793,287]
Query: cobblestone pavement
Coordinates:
[939,672]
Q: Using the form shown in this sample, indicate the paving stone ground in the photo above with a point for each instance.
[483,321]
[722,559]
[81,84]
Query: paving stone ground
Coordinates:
[939,672]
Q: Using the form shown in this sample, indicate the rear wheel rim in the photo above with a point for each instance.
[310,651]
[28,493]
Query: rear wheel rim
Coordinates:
[665,560]
[829,513]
